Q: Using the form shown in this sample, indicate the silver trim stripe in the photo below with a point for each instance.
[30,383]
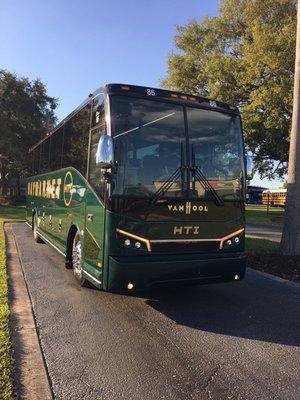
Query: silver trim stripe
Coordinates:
[56,248]
[91,276]
[47,240]
[51,244]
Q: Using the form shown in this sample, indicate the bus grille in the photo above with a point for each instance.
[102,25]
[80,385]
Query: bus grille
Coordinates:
[185,247]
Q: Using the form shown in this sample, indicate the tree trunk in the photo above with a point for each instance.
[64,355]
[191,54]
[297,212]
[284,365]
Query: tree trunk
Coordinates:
[290,242]
[18,185]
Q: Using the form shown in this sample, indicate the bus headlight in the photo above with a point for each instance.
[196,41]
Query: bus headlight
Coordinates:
[133,241]
[233,240]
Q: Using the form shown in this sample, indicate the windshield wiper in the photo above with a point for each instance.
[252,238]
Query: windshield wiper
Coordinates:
[178,173]
[146,124]
[198,175]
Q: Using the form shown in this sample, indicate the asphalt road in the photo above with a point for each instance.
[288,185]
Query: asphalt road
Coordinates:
[226,341]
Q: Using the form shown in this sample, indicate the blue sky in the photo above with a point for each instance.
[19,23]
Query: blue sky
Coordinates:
[75,46]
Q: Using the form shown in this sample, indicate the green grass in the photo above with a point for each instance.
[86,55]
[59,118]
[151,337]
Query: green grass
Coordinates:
[12,213]
[7,213]
[260,245]
[258,215]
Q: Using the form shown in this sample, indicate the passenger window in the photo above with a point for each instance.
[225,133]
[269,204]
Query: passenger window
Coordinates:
[44,157]
[56,143]
[36,160]
[76,139]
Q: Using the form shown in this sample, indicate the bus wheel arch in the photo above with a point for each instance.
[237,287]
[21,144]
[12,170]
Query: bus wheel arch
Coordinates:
[71,235]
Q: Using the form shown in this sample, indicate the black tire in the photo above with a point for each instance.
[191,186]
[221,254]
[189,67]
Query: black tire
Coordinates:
[77,261]
[34,229]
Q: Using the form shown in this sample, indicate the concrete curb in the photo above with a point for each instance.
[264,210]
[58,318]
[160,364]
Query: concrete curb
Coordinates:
[31,380]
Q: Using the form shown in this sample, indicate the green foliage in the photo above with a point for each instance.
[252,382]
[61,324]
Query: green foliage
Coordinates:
[26,113]
[246,57]
[5,362]
[10,213]
[6,214]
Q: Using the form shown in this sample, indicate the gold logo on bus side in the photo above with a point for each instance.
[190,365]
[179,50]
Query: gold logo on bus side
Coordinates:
[187,207]
[47,188]
[68,186]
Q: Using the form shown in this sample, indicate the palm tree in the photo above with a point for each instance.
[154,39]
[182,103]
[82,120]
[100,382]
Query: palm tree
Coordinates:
[290,242]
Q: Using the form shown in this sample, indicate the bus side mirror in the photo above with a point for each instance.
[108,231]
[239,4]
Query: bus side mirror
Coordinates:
[104,154]
[249,168]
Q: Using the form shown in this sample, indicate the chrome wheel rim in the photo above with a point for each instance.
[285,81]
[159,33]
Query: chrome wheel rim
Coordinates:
[77,258]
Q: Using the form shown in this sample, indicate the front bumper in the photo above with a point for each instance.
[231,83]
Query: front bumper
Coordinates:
[148,271]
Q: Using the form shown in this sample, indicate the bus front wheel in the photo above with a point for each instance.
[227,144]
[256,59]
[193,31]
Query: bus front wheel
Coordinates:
[77,261]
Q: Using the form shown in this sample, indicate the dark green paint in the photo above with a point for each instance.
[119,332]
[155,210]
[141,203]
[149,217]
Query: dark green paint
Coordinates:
[97,216]
[56,218]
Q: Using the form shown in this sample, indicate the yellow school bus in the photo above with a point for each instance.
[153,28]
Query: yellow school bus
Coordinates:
[275,197]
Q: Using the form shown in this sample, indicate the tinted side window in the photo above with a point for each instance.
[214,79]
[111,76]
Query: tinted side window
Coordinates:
[56,149]
[31,163]
[36,160]
[76,140]
[44,156]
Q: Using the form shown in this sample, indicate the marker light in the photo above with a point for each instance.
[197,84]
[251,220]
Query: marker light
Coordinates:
[130,286]
[127,242]
[125,88]
[237,240]
[137,245]
[236,277]
[229,242]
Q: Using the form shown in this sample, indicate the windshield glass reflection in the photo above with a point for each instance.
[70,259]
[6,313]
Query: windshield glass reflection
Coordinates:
[154,159]
[148,139]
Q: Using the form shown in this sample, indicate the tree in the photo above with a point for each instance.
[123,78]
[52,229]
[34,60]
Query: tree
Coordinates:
[290,242]
[26,113]
[244,56]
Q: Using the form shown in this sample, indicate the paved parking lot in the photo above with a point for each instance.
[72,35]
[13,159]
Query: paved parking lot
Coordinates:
[226,341]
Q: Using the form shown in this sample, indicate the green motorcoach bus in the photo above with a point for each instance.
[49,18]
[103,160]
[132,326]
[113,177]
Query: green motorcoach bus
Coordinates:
[141,186]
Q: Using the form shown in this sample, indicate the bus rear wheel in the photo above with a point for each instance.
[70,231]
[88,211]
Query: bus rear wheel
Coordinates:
[35,233]
[77,261]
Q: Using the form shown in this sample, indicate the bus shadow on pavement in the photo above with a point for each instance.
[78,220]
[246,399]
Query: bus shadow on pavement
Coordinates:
[255,309]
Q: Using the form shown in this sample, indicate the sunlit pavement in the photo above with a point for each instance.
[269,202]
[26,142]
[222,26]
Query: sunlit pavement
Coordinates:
[203,342]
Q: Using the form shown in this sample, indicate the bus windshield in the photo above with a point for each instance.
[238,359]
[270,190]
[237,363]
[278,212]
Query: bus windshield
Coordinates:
[159,151]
